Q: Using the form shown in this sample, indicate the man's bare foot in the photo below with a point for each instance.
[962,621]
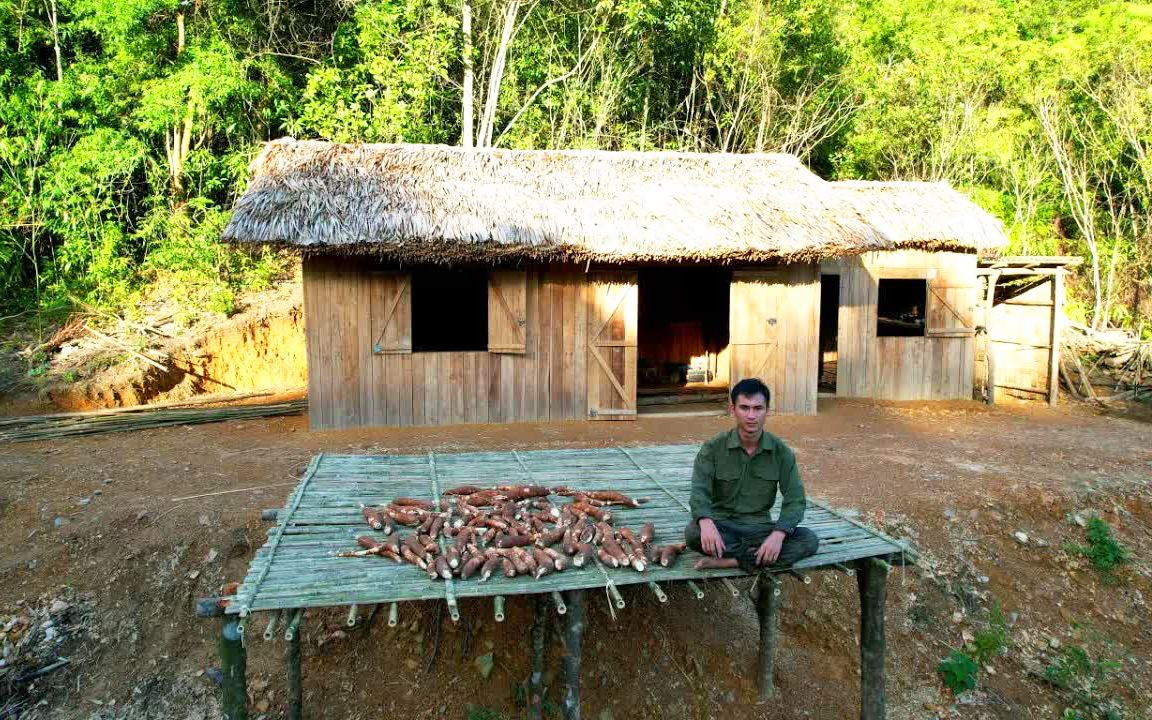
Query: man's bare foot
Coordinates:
[711,563]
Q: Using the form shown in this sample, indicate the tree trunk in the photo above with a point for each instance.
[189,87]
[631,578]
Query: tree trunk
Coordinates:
[484,137]
[468,122]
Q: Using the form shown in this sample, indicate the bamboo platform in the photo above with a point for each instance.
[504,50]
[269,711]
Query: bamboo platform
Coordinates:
[297,567]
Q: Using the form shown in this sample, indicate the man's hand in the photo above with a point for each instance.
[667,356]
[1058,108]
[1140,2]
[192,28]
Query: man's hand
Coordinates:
[710,539]
[770,549]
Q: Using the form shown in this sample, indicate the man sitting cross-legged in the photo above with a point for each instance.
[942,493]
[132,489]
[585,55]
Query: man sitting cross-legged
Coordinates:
[734,484]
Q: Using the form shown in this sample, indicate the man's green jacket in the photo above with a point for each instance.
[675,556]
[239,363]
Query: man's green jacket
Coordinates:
[729,484]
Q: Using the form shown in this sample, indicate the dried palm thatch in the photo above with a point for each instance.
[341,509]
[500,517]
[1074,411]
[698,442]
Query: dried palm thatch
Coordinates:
[923,214]
[426,203]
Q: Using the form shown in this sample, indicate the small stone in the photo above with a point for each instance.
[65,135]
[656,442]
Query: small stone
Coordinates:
[983,579]
[57,607]
[411,663]
[141,515]
[950,513]
[957,617]
[989,669]
[84,501]
[194,574]
[205,520]
[212,555]
[485,663]
[1079,520]
[1021,537]
[59,521]
[1054,643]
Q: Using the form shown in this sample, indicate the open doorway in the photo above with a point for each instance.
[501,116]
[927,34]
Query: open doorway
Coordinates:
[829,329]
[683,340]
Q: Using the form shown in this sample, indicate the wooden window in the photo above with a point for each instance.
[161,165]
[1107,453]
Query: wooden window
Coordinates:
[900,307]
[391,309]
[449,310]
[507,311]
[951,309]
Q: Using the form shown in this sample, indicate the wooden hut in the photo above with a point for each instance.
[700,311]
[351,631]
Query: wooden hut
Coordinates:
[446,285]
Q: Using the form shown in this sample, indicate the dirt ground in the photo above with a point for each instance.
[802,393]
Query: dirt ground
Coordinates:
[93,522]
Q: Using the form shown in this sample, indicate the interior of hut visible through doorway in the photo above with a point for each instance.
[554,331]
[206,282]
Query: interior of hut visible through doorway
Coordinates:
[683,340]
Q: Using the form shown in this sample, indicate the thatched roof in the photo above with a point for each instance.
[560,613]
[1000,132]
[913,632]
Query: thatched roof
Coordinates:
[426,203]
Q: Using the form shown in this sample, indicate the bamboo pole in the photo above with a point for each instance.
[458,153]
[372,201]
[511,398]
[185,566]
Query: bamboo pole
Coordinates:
[696,590]
[557,598]
[393,614]
[295,688]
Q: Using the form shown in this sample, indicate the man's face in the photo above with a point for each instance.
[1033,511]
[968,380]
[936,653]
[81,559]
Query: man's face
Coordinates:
[750,413]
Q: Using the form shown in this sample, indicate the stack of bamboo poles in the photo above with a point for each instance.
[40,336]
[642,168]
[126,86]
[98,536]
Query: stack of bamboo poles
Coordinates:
[64,425]
[1114,358]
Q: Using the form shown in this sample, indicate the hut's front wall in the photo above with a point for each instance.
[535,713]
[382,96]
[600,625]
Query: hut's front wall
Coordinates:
[350,384]
[570,351]
[935,366]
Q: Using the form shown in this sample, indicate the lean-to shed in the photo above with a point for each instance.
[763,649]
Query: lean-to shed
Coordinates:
[448,285]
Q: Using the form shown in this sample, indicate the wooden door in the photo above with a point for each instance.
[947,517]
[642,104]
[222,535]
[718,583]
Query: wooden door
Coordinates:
[754,327]
[508,311]
[612,302]
[774,333]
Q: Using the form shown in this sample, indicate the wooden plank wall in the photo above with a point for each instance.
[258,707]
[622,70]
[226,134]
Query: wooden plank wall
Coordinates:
[1021,339]
[349,385]
[898,368]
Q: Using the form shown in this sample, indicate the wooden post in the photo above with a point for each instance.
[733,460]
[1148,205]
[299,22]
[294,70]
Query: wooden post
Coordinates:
[539,643]
[573,653]
[1054,337]
[233,666]
[871,579]
[295,689]
[990,349]
[768,610]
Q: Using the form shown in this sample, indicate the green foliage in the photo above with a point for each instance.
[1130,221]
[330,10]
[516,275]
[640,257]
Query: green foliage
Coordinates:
[119,175]
[959,671]
[1103,549]
[475,712]
[992,640]
[1084,680]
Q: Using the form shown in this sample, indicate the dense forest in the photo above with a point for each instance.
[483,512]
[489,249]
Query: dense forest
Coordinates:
[126,126]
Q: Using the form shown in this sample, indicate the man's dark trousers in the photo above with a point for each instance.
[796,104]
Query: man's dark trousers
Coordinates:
[743,539]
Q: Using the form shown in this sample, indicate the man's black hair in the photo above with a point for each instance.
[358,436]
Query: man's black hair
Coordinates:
[749,387]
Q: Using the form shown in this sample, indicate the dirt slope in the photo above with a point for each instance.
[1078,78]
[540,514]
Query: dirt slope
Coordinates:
[92,522]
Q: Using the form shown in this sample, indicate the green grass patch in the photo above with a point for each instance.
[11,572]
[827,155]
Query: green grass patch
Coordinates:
[1103,550]
[959,671]
[1083,680]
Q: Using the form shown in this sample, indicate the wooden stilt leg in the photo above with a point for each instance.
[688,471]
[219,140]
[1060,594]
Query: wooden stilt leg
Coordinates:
[234,666]
[871,578]
[539,643]
[295,689]
[768,609]
[573,653]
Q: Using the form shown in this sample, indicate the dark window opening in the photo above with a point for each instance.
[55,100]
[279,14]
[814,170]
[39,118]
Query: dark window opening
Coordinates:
[449,310]
[829,330]
[900,307]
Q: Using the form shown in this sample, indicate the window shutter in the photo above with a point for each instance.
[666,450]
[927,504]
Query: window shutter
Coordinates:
[950,309]
[391,309]
[507,311]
